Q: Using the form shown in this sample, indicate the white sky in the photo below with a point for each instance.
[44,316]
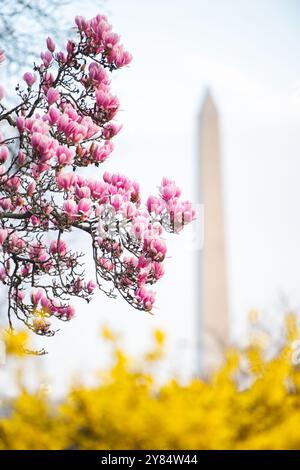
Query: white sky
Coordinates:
[248,53]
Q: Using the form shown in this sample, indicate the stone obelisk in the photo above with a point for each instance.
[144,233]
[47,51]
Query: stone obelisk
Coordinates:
[214,311]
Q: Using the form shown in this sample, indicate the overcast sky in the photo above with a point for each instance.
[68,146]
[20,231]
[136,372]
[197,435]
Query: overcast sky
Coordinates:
[248,54]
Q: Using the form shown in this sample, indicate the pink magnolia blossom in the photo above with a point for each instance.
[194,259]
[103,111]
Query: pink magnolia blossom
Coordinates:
[77,286]
[70,47]
[155,205]
[146,298]
[29,78]
[111,129]
[3,274]
[61,57]
[69,312]
[46,58]
[16,244]
[25,271]
[2,92]
[117,202]
[84,207]
[70,208]
[128,209]
[106,264]
[21,158]
[59,247]
[31,188]
[14,183]
[52,95]
[98,75]
[91,286]
[6,204]
[34,220]
[38,253]
[158,270]
[65,156]
[66,180]
[157,248]
[20,295]
[80,23]
[20,122]
[168,192]
[122,58]
[46,303]
[107,102]
[83,192]
[36,296]
[53,114]
[50,44]
[100,154]
[4,154]
[144,262]
[3,235]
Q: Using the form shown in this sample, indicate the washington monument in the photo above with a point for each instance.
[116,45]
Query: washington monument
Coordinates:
[214,312]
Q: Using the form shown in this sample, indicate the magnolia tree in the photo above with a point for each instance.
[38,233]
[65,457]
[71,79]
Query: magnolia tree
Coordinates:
[64,121]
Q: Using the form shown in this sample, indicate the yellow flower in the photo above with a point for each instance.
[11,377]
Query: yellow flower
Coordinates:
[15,343]
[250,403]
[107,334]
[159,337]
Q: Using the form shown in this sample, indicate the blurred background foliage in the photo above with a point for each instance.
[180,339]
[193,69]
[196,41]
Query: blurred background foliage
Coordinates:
[23,24]
[251,402]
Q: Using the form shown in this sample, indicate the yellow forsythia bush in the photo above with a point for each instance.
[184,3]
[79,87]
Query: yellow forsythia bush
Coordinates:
[251,403]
